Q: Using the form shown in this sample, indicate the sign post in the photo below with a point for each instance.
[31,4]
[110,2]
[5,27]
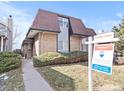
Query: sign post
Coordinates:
[101,65]
[90,46]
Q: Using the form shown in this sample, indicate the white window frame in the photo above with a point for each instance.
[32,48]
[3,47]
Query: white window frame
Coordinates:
[83,46]
[61,45]
[63,22]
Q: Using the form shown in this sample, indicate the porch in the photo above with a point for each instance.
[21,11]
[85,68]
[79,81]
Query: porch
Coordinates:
[3,46]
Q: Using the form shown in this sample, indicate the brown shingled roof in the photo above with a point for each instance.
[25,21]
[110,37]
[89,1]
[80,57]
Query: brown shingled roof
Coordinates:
[90,32]
[77,26]
[48,21]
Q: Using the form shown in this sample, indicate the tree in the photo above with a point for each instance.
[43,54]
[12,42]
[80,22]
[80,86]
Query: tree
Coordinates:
[16,34]
[119,32]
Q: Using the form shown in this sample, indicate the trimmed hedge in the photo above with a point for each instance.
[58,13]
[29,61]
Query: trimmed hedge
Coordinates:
[53,58]
[9,61]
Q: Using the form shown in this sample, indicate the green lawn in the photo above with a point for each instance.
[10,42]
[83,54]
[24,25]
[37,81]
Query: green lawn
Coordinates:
[14,81]
[75,77]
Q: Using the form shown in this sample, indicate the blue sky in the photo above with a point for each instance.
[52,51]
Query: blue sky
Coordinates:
[96,15]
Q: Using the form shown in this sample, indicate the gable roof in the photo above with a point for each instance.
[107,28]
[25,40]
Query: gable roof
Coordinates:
[78,28]
[48,21]
[90,32]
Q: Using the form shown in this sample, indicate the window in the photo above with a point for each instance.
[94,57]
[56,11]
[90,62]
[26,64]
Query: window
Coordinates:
[66,24]
[84,47]
[63,22]
[60,23]
[60,45]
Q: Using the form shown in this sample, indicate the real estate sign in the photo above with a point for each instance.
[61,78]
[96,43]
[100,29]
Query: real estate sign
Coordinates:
[104,36]
[103,58]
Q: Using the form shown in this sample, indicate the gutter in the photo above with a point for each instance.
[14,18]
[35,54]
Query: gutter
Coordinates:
[43,30]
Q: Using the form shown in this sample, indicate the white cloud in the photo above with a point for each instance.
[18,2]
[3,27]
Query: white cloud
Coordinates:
[120,14]
[20,18]
[6,8]
[3,2]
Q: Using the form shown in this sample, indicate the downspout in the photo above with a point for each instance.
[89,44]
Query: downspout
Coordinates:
[69,34]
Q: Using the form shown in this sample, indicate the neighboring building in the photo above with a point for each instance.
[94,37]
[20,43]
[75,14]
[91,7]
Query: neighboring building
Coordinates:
[56,32]
[6,35]
[27,48]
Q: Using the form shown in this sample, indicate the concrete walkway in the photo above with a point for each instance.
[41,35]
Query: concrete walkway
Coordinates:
[32,79]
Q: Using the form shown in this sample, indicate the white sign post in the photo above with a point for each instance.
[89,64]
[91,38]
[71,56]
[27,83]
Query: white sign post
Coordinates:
[90,47]
[101,38]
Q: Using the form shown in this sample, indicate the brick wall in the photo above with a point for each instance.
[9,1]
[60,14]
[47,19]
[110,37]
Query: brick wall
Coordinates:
[44,42]
[75,43]
[36,46]
[47,42]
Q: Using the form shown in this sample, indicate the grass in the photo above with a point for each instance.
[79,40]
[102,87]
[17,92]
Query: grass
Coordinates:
[71,77]
[15,80]
[66,77]
[110,82]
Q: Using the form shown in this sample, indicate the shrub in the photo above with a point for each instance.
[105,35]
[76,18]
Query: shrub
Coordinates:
[9,61]
[52,58]
[47,59]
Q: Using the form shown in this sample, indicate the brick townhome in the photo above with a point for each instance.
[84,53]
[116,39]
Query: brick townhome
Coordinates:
[55,32]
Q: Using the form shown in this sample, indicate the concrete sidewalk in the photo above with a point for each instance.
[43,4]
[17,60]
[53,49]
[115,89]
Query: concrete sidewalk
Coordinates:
[32,79]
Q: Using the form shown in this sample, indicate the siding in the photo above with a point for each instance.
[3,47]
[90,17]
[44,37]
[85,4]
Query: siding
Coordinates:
[36,46]
[75,43]
[48,42]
